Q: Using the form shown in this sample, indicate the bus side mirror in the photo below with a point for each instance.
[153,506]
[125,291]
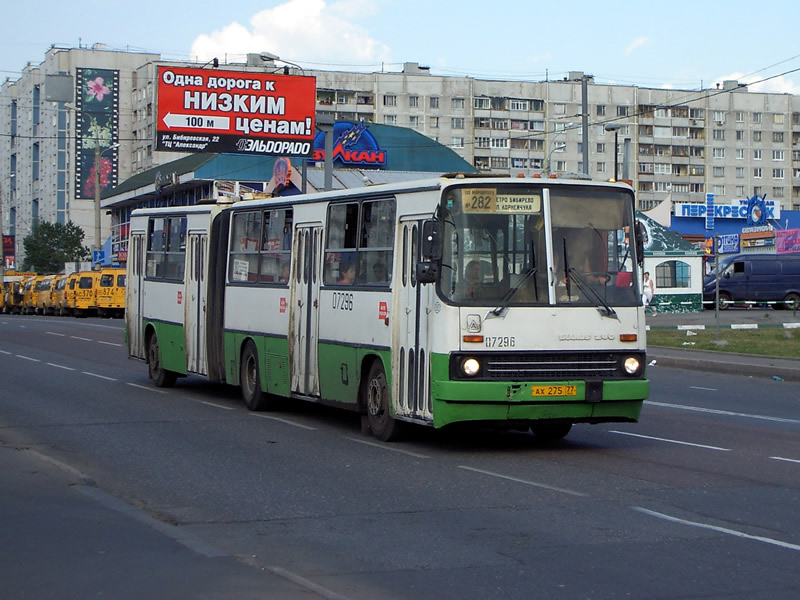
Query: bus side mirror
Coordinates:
[427,272]
[640,234]
[432,241]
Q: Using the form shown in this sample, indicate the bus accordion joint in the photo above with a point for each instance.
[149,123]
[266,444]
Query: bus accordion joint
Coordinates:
[628,337]
[473,339]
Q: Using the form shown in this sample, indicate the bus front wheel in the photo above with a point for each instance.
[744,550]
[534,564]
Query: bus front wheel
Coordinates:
[160,376]
[376,396]
[250,379]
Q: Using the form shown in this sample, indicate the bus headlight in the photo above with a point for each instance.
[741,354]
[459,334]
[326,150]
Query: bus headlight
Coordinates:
[632,365]
[470,367]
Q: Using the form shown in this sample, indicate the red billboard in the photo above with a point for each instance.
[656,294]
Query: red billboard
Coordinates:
[235,111]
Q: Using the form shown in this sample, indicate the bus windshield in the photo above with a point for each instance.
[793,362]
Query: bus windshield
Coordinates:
[519,245]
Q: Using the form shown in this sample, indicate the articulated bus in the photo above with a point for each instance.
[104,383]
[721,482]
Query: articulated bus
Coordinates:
[512,303]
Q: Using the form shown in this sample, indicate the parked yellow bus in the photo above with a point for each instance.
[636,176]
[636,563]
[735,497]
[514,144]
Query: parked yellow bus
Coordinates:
[70,292]
[44,291]
[29,292]
[86,293]
[58,297]
[111,293]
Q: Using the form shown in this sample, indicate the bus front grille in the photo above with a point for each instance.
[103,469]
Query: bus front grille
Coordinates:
[550,366]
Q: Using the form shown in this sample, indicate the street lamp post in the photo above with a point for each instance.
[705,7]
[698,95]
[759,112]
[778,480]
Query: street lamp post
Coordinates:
[556,147]
[615,127]
[98,243]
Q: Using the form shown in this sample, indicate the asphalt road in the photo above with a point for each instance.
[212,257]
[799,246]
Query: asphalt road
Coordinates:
[113,487]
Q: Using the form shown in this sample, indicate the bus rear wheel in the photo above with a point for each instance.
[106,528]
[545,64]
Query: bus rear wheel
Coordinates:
[376,399]
[250,379]
[160,376]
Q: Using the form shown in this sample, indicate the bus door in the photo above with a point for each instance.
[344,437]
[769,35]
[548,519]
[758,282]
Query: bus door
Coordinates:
[133,288]
[195,303]
[412,306]
[304,317]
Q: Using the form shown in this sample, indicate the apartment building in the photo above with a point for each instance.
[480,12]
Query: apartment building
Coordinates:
[677,144]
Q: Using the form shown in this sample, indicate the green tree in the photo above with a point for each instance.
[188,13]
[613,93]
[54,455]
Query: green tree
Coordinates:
[50,245]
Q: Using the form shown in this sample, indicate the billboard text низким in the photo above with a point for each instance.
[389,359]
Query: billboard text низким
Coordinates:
[235,111]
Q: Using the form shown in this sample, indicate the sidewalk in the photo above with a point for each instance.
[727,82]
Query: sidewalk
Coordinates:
[787,369]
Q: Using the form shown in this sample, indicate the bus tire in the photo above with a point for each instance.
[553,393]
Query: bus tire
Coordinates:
[250,379]
[550,432]
[376,401]
[160,376]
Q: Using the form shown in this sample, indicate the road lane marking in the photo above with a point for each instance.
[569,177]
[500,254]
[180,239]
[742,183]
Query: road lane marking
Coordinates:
[109,343]
[99,376]
[54,333]
[6,353]
[525,481]
[669,441]
[61,367]
[728,413]
[28,358]
[705,389]
[385,447]
[215,405]
[286,421]
[725,530]
[146,387]
[83,339]
[791,460]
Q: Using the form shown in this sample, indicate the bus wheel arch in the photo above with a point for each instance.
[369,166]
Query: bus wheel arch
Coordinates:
[376,402]
[161,377]
[255,398]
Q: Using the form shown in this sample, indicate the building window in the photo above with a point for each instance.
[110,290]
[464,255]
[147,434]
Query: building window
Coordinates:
[601,110]
[697,188]
[740,190]
[433,122]
[739,135]
[718,134]
[518,105]
[778,173]
[482,142]
[623,111]
[413,101]
[778,192]
[719,116]
[457,142]
[757,117]
[601,147]
[481,104]
[536,125]
[673,274]
[601,167]
[778,155]
[739,172]
[458,103]
[499,142]
[559,109]
[740,154]
[457,122]
[719,152]
[719,171]
[434,101]
[389,100]
[756,136]
[519,163]
[777,137]
[413,121]
[482,122]
[390,119]
[719,190]
[499,162]
[757,173]
[740,116]
[778,118]
[756,154]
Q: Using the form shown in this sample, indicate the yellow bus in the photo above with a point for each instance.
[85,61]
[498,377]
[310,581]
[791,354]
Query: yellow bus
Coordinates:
[44,291]
[58,297]
[86,293]
[29,292]
[111,293]
[70,292]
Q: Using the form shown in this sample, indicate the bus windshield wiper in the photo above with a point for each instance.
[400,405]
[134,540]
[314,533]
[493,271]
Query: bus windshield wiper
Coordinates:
[506,299]
[586,288]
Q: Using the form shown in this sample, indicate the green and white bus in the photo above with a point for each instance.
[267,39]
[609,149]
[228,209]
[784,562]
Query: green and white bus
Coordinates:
[513,303]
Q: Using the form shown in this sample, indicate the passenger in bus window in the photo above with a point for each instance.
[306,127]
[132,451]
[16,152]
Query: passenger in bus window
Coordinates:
[472,280]
[347,273]
[379,273]
[284,276]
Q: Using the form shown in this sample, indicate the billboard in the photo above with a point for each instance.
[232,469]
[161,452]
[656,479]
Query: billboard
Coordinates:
[235,111]
[97,130]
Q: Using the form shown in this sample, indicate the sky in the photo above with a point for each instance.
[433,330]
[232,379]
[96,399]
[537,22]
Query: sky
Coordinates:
[677,44]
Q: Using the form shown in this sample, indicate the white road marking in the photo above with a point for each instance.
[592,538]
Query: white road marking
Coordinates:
[216,405]
[99,376]
[525,481]
[705,389]
[734,532]
[669,441]
[148,388]
[791,460]
[386,447]
[286,421]
[715,411]
[61,367]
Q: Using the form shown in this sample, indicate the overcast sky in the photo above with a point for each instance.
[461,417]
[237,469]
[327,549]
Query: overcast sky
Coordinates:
[677,44]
